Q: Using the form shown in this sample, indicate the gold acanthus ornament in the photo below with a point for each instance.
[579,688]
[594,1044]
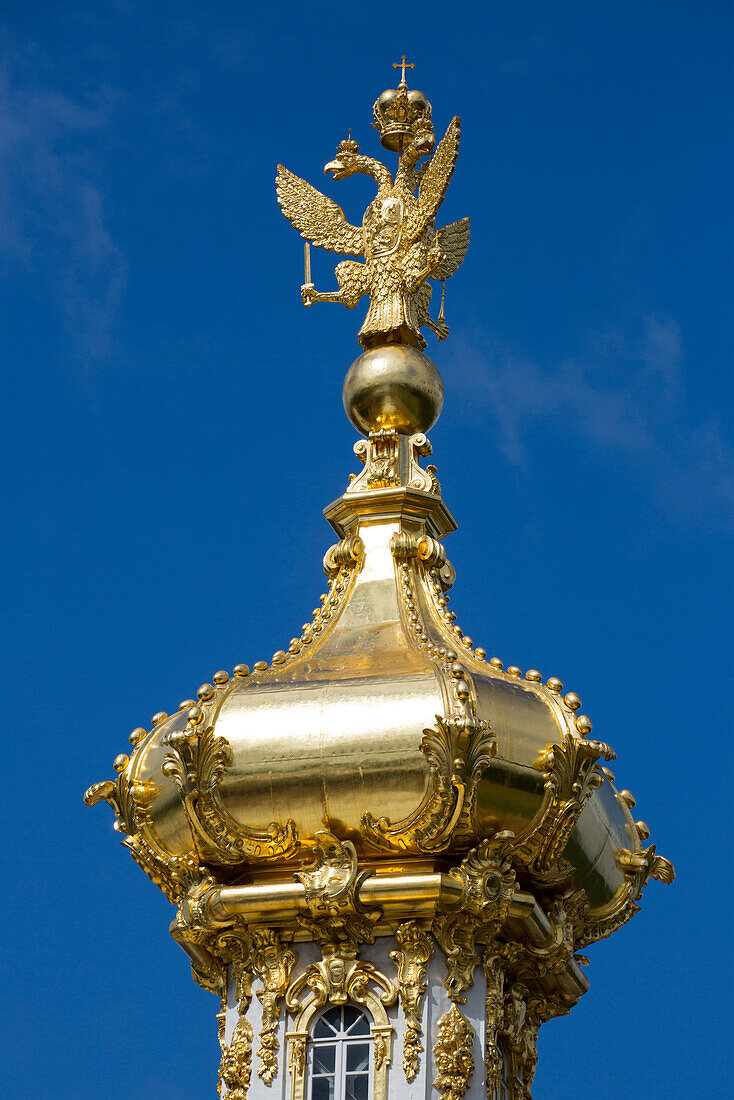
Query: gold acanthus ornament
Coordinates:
[412,958]
[129,799]
[273,963]
[398,239]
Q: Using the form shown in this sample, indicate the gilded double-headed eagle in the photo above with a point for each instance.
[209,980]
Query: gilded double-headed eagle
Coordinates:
[398,239]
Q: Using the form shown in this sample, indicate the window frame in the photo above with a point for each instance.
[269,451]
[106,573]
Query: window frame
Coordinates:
[300,1039]
[340,1041]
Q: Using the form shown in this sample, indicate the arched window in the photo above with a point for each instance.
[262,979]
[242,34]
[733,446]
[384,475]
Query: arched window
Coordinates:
[339,1062]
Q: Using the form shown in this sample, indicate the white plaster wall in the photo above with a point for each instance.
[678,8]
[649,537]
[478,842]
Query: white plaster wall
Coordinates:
[435,1003]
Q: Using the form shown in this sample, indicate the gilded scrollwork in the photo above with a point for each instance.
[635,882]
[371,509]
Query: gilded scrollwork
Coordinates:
[647,865]
[494,1003]
[534,962]
[458,750]
[412,959]
[392,460]
[197,761]
[454,1054]
[273,963]
[340,977]
[332,882]
[572,773]
[488,883]
[130,800]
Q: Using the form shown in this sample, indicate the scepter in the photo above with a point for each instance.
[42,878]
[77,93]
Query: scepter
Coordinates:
[307,270]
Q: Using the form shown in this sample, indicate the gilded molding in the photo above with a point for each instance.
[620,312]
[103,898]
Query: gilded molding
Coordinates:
[572,773]
[412,959]
[273,964]
[453,1054]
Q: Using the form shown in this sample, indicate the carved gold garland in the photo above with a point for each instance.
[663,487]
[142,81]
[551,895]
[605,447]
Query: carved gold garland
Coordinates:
[453,1054]
[235,1067]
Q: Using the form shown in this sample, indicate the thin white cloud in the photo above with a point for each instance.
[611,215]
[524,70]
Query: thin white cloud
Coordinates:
[627,393]
[52,206]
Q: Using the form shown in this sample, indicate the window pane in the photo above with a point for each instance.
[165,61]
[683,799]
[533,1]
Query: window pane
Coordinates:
[357,1086]
[322,1088]
[328,1024]
[323,1057]
[358,1057]
[355,1022]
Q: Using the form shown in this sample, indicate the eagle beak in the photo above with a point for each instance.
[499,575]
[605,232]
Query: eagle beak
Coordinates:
[334,166]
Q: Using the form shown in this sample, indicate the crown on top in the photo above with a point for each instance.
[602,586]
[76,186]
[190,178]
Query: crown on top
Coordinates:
[400,112]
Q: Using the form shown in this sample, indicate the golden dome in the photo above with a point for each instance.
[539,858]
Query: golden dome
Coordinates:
[384,725]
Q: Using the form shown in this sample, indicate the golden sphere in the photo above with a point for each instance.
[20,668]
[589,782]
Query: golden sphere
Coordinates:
[393,386]
[121,762]
[583,724]
[572,701]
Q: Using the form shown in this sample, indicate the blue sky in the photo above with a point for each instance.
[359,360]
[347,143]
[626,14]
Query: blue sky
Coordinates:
[173,427]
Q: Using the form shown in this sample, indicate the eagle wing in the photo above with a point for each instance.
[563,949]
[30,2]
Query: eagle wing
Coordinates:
[435,180]
[316,217]
[453,240]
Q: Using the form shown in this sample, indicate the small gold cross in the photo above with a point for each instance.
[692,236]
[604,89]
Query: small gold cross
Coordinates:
[403,64]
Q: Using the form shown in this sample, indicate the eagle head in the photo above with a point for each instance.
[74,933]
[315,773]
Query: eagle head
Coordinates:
[345,161]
